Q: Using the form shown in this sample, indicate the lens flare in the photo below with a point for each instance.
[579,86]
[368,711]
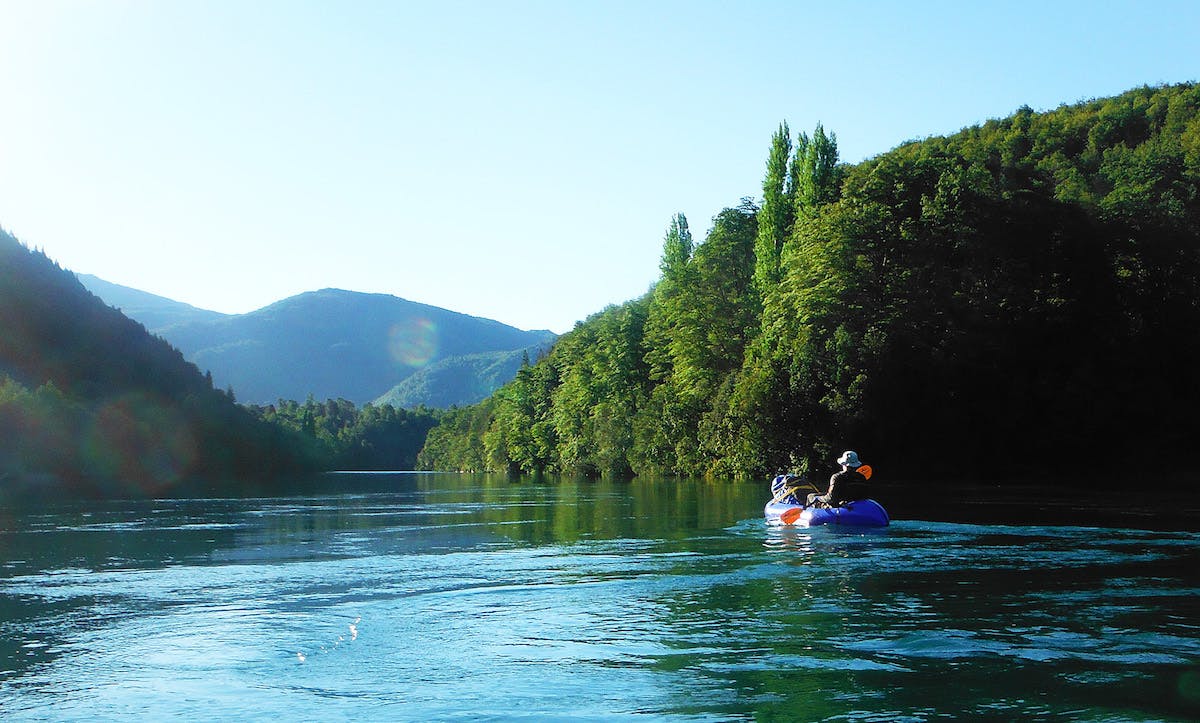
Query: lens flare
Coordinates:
[413,342]
[139,439]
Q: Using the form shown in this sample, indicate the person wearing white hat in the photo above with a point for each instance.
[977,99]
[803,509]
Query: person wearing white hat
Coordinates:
[845,486]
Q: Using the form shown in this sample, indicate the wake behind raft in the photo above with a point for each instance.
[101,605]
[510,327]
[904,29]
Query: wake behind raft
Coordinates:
[859,513]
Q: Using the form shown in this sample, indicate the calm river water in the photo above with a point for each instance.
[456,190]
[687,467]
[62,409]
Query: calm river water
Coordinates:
[444,597]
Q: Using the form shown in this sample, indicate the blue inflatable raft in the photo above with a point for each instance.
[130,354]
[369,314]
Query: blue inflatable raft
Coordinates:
[862,513]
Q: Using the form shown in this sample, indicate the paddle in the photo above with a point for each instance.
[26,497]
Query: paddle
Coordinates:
[791,515]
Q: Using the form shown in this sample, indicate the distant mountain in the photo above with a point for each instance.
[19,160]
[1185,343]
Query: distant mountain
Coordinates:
[89,398]
[331,344]
[460,380]
[154,312]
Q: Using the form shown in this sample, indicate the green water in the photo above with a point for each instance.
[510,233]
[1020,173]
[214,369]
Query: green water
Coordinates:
[447,597]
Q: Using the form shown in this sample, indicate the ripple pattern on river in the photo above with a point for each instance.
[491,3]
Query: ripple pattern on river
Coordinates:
[383,607]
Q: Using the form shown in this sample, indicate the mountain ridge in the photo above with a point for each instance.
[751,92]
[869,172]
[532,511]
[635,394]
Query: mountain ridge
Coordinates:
[151,310]
[328,343]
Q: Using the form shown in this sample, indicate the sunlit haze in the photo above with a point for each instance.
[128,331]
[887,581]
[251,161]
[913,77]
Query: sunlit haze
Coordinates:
[518,161]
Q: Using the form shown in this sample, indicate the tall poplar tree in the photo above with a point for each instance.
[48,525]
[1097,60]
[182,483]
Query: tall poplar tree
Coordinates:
[677,253]
[815,181]
[795,169]
[773,215]
[677,247]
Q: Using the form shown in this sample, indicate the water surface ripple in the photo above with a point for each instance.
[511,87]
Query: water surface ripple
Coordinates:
[444,597]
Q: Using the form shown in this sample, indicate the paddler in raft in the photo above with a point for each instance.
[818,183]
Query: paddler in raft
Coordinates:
[845,486]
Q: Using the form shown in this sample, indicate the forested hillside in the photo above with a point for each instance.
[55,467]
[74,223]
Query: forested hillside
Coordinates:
[90,399]
[460,380]
[373,437]
[1018,300]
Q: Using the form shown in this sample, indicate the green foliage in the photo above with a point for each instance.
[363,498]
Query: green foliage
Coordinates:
[523,437]
[1018,299]
[795,185]
[677,249]
[773,218]
[371,438]
[676,277]
[998,294]
[815,172]
[457,443]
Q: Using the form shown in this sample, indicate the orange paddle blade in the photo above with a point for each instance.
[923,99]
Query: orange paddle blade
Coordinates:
[865,470]
[790,516]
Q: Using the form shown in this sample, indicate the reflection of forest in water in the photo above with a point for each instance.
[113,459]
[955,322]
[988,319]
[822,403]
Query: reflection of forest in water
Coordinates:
[563,511]
[462,509]
[466,508]
[109,534]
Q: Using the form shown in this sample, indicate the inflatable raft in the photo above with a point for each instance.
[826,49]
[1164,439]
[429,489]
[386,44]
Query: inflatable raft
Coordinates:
[862,513]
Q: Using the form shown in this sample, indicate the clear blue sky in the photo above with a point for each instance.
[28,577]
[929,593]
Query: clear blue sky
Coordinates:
[513,160]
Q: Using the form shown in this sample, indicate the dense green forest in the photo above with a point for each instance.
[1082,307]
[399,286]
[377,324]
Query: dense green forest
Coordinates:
[1018,300]
[89,399]
[375,437]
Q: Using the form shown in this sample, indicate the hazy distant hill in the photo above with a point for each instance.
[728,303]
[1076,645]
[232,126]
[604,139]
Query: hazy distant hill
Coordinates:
[330,344]
[154,312]
[460,380]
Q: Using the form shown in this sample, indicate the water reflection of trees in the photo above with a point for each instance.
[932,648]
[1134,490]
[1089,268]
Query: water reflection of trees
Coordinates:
[553,510]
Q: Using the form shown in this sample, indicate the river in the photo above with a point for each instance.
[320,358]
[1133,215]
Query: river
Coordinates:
[459,597]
